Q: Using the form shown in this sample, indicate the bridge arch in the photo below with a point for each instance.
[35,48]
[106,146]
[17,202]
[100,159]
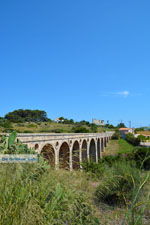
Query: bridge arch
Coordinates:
[92,150]
[64,153]
[102,144]
[98,149]
[76,155]
[84,150]
[105,141]
[48,153]
[36,146]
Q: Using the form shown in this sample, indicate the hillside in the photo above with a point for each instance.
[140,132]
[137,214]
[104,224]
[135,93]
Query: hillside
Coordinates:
[50,127]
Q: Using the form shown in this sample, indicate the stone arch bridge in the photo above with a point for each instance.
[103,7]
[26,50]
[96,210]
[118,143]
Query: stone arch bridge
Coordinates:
[68,150]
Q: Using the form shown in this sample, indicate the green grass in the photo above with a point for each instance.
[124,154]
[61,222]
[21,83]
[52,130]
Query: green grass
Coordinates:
[124,146]
[118,146]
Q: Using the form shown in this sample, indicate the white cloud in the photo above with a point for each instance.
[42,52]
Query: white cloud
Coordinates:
[123,93]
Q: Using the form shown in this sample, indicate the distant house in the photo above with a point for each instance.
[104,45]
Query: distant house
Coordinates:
[58,120]
[125,131]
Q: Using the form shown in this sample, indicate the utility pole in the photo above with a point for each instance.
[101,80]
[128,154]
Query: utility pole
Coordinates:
[129,124]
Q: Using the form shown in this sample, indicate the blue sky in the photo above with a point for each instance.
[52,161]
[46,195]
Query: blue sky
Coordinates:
[80,59]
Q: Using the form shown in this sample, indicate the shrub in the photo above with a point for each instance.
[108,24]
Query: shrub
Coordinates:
[31,125]
[9,145]
[94,169]
[116,135]
[142,138]
[28,131]
[119,184]
[132,140]
[94,128]
[80,129]
[57,130]
[97,169]
[45,131]
[111,159]
[8,130]
[141,155]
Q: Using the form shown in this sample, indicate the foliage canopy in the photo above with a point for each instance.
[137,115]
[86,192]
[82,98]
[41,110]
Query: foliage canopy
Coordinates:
[26,115]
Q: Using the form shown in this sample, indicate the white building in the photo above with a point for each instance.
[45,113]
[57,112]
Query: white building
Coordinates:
[98,122]
[124,131]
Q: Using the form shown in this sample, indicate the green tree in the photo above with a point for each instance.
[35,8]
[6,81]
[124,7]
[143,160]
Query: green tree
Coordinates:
[5,123]
[110,126]
[84,122]
[80,129]
[121,125]
[26,115]
[93,128]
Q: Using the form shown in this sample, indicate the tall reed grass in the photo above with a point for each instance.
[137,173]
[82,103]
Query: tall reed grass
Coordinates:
[37,195]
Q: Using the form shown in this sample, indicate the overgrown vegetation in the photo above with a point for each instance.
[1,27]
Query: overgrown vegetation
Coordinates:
[37,194]
[119,185]
[132,139]
[116,135]
[124,181]
[141,156]
[9,145]
[143,138]
[80,129]
[28,196]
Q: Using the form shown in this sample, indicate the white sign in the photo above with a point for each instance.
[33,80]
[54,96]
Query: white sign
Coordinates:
[18,158]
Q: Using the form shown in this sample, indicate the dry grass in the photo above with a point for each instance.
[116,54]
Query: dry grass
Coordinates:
[112,148]
[43,126]
[144,132]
